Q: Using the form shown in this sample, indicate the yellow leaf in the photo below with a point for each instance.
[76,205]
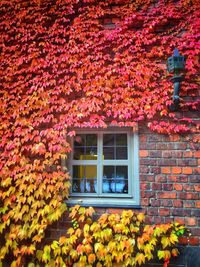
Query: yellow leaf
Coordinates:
[173,238]
[140,258]
[165,241]
[161,254]
[175,252]
[70,231]
[91,258]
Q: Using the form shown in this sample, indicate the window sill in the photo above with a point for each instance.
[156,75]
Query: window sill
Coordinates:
[104,204]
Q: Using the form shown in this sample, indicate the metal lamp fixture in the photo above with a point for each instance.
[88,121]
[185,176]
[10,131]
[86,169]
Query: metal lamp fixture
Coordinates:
[176,65]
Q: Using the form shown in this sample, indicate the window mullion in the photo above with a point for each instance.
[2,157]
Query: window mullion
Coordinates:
[100,163]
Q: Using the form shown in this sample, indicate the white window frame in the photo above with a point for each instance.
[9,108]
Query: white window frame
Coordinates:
[132,199]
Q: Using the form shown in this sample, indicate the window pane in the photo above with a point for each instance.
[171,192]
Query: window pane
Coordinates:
[121,153]
[85,147]
[91,152]
[109,152]
[84,179]
[78,152]
[115,179]
[79,140]
[91,140]
[109,172]
[122,172]
[121,139]
[115,146]
[108,139]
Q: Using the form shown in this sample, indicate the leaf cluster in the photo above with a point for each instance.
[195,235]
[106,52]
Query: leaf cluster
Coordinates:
[113,240]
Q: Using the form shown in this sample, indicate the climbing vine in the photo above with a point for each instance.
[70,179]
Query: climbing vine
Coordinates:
[84,63]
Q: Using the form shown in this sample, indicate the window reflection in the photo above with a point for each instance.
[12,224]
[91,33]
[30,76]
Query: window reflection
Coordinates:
[115,146]
[85,147]
[115,179]
[84,179]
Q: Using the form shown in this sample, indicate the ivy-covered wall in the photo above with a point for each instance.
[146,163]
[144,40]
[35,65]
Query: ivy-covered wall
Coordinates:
[91,63]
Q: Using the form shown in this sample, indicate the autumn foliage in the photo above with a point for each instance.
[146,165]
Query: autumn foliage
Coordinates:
[85,63]
[113,240]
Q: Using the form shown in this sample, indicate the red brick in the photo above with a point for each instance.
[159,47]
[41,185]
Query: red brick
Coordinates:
[158,220]
[174,138]
[187,154]
[153,211]
[156,186]
[187,170]
[197,154]
[145,202]
[155,202]
[115,211]
[189,204]
[177,154]
[164,212]
[166,195]
[167,187]
[188,187]
[144,169]
[176,170]
[165,170]
[197,187]
[183,240]
[182,179]
[155,153]
[194,241]
[178,187]
[197,204]
[143,138]
[196,170]
[144,153]
[160,178]
[166,203]
[180,220]
[178,203]
[148,194]
[144,186]
[166,154]
[190,221]
[187,195]
[172,178]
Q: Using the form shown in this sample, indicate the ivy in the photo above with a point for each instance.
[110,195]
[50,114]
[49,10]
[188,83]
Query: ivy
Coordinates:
[85,63]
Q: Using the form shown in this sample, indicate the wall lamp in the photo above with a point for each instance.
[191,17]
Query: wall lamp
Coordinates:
[176,65]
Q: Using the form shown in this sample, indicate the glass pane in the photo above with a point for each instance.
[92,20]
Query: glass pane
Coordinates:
[78,153]
[85,147]
[108,186]
[91,152]
[109,172]
[122,172]
[91,140]
[121,186]
[115,179]
[84,179]
[108,139]
[79,140]
[121,139]
[109,152]
[121,153]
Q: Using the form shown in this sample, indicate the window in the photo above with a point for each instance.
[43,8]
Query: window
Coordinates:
[104,167]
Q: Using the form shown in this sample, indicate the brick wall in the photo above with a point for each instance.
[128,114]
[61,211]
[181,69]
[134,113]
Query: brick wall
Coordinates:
[169,180]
